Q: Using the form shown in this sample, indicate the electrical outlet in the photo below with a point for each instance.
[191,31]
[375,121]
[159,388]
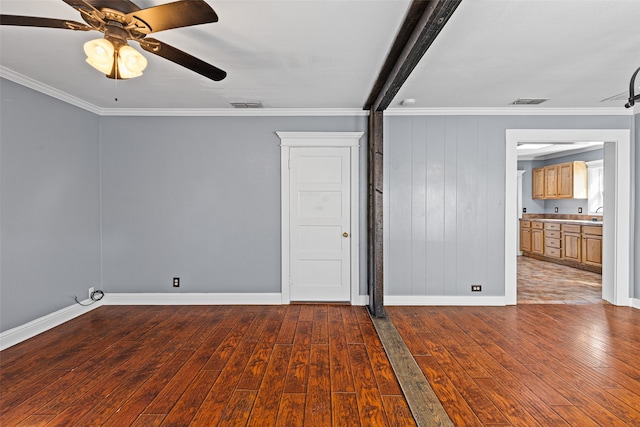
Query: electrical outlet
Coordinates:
[476,288]
[90,292]
[176,282]
[524,210]
[556,209]
[579,210]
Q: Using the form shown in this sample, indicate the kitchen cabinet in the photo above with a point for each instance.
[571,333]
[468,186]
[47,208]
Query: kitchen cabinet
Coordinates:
[572,242]
[572,180]
[525,236]
[538,183]
[537,237]
[552,241]
[561,181]
[550,182]
[592,245]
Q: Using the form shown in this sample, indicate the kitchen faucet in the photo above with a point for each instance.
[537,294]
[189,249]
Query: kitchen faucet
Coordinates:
[601,207]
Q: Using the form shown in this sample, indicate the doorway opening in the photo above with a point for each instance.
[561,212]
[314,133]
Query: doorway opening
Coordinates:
[562,270]
[616,254]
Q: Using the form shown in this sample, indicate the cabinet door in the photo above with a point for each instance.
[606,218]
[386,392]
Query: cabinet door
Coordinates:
[538,184]
[537,242]
[551,182]
[592,249]
[565,180]
[525,239]
[572,243]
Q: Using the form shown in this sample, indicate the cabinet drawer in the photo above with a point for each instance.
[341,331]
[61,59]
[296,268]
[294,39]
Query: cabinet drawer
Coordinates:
[552,243]
[553,252]
[592,229]
[551,234]
[537,225]
[552,226]
[525,224]
[570,228]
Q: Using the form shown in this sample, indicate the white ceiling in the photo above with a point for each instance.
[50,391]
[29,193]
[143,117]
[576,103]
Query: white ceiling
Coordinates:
[327,54]
[548,151]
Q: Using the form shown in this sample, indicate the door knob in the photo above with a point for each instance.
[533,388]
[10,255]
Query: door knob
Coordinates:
[345,234]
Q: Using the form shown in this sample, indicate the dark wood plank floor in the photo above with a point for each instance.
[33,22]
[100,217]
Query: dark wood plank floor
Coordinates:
[529,365]
[311,365]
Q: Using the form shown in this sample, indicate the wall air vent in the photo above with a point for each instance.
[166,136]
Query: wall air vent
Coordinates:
[528,101]
[247,105]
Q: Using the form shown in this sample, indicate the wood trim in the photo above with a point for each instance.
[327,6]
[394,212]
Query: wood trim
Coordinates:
[422,400]
[375,207]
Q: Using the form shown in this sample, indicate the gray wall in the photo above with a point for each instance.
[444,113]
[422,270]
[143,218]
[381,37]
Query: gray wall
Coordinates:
[199,198]
[445,189]
[50,205]
[565,206]
[532,205]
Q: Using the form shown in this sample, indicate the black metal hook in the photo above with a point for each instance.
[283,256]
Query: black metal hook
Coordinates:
[632,96]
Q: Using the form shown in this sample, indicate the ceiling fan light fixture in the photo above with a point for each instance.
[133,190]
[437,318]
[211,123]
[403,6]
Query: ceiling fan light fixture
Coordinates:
[130,62]
[100,54]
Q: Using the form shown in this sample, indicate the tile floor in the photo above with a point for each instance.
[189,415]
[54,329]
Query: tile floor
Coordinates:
[541,282]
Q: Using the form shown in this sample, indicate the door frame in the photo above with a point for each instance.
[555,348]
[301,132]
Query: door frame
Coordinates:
[318,140]
[616,270]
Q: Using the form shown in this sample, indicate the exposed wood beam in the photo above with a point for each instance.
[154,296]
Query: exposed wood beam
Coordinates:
[375,276]
[422,24]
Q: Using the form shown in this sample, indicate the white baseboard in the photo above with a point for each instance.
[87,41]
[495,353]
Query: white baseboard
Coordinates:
[191,299]
[444,300]
[21,333]
[635,303]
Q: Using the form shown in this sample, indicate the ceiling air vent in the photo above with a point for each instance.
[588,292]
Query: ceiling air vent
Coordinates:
[247,105]
[528,101]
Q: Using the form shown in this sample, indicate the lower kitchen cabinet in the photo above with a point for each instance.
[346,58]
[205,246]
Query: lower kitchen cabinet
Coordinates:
[537,238]
[570,244]
[592,245]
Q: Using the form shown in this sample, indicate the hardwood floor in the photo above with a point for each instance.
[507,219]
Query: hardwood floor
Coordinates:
[323,365]
[311,365]
[541,282]
[529,365]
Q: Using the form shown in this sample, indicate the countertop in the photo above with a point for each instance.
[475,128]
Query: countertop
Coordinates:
[564,221]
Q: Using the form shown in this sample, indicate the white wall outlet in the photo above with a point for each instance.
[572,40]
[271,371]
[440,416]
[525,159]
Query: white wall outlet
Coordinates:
[90,292]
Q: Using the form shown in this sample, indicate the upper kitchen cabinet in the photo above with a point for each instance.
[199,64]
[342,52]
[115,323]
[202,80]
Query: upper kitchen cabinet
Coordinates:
[551,182]
[562,181]
[538,183]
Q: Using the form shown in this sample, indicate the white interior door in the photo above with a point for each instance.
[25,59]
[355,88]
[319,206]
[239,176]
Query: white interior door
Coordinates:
[320,216]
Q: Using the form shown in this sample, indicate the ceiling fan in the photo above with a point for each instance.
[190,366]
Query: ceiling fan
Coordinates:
[121,21]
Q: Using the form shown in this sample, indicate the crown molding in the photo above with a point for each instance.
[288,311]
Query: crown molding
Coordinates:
[307,112]
[511,111]
[47,90]
[234,112]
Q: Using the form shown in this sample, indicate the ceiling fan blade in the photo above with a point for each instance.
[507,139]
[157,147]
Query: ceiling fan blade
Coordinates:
[178,14]
[124,6]
[182,58]
[31,21]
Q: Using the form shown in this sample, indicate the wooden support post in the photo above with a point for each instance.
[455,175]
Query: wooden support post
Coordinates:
[375,276]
